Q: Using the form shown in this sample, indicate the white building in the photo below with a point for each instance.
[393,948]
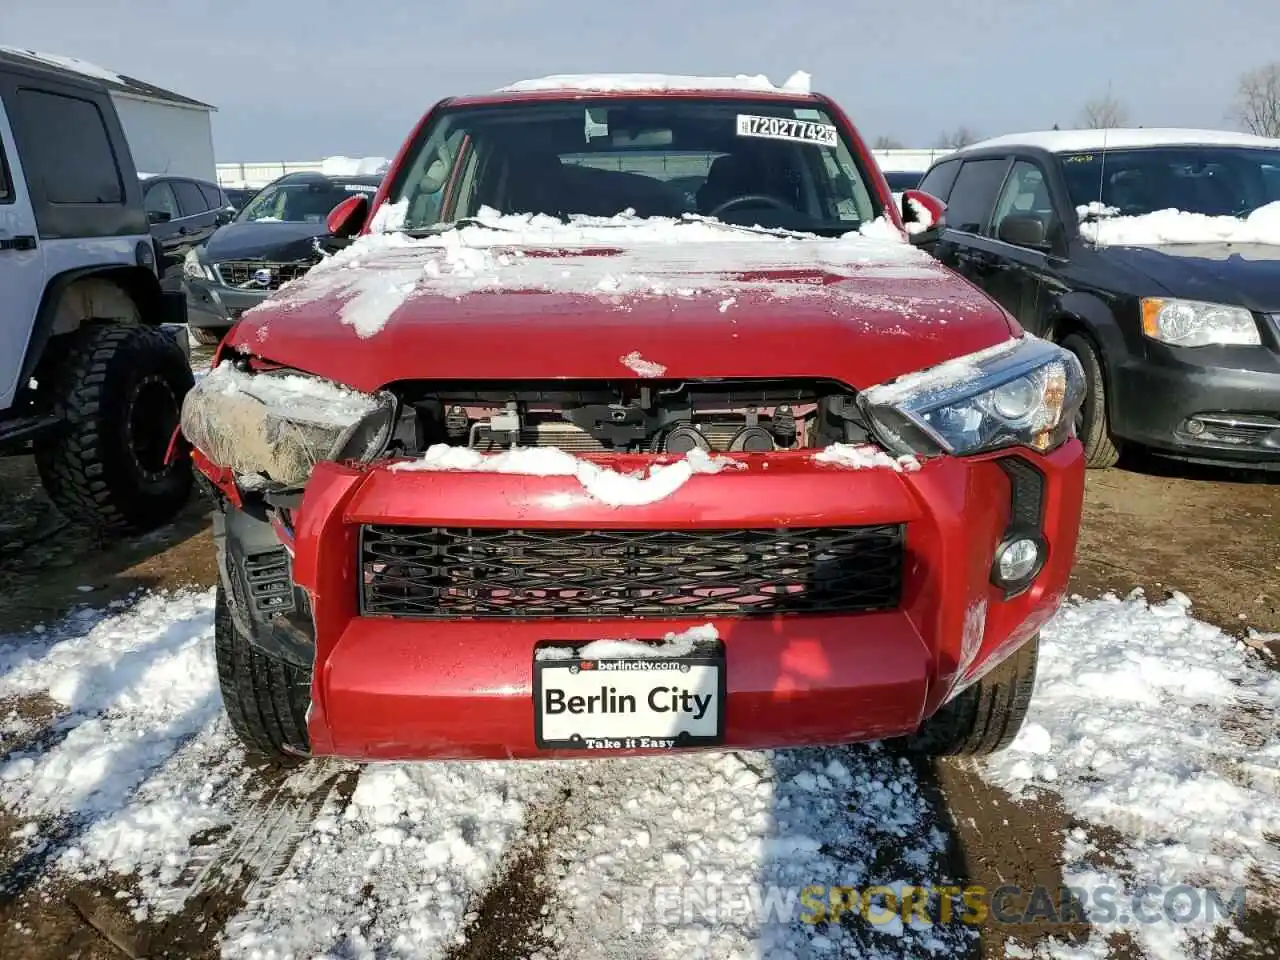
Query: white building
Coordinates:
[167,132]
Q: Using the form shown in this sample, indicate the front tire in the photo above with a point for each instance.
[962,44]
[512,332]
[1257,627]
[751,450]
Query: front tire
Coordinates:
[266,699]
[1092,426]
[118,390]
[985,717]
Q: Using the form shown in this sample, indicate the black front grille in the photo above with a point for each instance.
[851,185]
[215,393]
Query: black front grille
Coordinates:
[478,572]
[244,273]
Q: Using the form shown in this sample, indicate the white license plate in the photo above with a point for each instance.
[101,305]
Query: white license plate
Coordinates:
[629,703]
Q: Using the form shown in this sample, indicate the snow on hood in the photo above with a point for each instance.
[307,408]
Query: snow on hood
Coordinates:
[798,82]
[608,257]
[1177,227]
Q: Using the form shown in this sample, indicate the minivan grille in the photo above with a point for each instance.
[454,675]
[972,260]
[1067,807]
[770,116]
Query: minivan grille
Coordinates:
[519,573]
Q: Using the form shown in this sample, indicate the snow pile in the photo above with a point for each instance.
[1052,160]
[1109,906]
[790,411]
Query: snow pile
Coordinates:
[607,258]
[680,644]
[608,486]
[640,366]
[863,456]
[1179,226]
[134,687]
[798,82]
[1157,725]
[707,855]
[395,872]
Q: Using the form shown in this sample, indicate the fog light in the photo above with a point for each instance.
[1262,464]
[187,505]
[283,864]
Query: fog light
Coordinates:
[1018,559]
[1194,427]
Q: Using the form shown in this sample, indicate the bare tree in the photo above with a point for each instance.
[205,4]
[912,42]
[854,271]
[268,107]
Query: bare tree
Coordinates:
[961,136]
[887,143]
[1102,113]
[1258,101]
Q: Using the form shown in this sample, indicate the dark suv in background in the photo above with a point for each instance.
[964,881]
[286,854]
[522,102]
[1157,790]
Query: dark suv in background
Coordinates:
[276,238]
[183,213]
[1103,241]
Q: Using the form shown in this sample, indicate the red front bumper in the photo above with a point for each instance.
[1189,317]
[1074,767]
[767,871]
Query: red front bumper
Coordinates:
[389,688]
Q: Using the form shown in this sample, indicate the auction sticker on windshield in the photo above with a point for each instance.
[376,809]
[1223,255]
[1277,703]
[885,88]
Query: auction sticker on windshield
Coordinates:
[780,128]
[629,703]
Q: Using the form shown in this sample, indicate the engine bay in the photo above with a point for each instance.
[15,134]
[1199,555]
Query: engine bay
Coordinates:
[626,417]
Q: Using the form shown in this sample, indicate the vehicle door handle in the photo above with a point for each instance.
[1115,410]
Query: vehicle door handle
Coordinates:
[17,243]
[979,261]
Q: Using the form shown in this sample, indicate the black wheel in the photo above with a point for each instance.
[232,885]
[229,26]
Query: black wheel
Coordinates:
[266,699]
[1100,450]
[985,717]
[118,390]
[207,336]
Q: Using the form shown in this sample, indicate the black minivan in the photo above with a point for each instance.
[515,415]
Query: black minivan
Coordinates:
[1154,256]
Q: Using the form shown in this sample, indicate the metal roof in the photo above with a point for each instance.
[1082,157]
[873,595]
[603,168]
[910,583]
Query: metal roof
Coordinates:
[114,82]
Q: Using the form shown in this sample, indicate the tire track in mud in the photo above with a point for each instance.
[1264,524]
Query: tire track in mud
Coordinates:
[232,869]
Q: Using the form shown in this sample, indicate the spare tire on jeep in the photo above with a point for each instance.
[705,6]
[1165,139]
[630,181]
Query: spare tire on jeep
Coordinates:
[117,389]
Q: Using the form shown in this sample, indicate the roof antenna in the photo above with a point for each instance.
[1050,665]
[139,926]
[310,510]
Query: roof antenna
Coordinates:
[1102,169]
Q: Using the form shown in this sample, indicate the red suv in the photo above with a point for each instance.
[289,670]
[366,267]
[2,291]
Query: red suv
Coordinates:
[629,420]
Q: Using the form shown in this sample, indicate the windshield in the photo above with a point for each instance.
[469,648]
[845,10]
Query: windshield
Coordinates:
[753,163]
[1218,181]
[303,202]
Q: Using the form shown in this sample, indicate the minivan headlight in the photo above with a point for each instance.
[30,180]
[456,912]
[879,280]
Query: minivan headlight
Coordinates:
[279,424]
[1023,392]
[1194,323]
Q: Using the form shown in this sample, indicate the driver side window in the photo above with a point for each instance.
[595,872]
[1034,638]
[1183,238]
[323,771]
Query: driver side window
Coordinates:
[1025,195]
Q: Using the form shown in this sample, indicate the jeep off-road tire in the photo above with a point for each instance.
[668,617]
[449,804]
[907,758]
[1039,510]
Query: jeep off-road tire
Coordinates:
[266,699]
[117,390]
[1092,426]
[206,336]
[985,717]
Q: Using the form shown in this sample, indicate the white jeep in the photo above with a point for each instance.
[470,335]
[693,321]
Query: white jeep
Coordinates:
[92,377]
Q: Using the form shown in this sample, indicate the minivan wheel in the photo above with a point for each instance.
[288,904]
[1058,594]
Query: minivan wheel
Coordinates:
[1092,427]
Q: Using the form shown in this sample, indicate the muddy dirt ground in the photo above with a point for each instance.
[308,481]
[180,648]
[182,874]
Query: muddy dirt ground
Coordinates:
[1212,535]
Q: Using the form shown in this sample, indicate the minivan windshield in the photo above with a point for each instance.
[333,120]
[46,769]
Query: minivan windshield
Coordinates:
[756,163]
[306,201]
[1217,181]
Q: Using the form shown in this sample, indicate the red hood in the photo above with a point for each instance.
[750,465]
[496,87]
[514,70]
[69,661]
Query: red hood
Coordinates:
[859,311]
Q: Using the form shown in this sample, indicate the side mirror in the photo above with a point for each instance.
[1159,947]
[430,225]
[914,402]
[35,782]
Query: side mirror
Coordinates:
[346,219]
[1022,231]
[924,214]
[224,216]
[158,216]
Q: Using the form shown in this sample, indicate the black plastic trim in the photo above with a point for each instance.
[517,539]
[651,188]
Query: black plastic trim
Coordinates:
[1026,518]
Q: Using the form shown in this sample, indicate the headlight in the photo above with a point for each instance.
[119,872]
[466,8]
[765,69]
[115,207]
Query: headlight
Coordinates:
[1024,392]
[1191,323]
[281,424]
[194,268]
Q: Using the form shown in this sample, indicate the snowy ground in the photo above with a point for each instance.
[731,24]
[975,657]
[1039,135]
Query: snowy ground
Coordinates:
[1147,722]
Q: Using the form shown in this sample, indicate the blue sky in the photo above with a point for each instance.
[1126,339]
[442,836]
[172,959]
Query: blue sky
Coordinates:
[301,79]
